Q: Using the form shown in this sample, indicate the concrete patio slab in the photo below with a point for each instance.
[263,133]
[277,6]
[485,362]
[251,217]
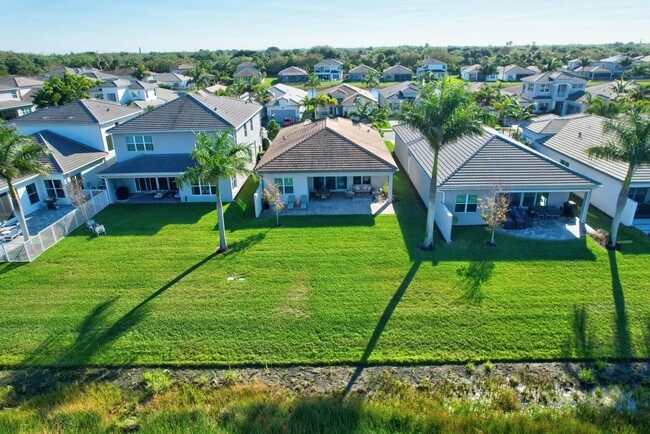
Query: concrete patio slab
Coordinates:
[337,204]
[551,229]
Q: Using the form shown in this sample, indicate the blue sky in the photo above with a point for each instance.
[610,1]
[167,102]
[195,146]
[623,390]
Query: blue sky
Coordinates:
[63,26]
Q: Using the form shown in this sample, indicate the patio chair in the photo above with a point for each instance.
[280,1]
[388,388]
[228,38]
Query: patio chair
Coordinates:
[291,201]
[303,201]
[159,194]
[90,224]
[98,229]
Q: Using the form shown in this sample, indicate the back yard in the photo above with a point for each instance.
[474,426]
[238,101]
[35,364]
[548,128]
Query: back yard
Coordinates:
[321,290]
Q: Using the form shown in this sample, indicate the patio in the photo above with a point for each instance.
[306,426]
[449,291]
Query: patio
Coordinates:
[338,204]
[550,229]
[146,198]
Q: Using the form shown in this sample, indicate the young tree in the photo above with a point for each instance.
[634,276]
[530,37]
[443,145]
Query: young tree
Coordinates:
[272,129]
[271,194]
[75,192]
[445,113]
[629,143]
[60,91]
[140,72]
[19,156]
[493,212]
[313,82]
[217,156]
[371,79]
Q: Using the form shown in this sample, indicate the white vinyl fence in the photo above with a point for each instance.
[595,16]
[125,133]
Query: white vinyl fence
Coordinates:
[27,251]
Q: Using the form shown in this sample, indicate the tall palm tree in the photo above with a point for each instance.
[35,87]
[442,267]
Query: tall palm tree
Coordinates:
[620,87]
[313,82]
[263,95]
[199,77]
[371,79]
[550,64]
[584,62]
[599,107]
[218,156]
[363,111]
[629,143]
[444,113]
[487,95]
[639,70]
[19,157]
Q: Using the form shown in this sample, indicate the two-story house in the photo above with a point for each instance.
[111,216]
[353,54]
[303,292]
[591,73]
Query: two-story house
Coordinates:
[346,95]
[514,73]
[75,136]
[613,64]
[359,73]
[397,73]
[434,66]
[124,91]
[329,70]
[285,103]
[394,96]
[554,91]
[17,95]
[154,149]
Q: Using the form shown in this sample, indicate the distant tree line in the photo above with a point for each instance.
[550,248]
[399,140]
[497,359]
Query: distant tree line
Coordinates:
[223,63]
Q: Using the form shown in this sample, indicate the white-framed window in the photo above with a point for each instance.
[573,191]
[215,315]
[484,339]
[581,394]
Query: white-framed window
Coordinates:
[54,188]
[527,199]
[531,86]
[32,193]
[201,189]
[233,182]
[284,184]
[545,88]
[466,203]
[139,143]
[361,180]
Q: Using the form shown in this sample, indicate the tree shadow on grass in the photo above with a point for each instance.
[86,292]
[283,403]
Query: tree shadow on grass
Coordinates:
[623,343]
[95,332]
[472,278]
[581,343]
[381,325]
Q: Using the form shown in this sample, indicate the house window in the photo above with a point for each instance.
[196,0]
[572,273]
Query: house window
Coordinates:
[251,124]
[545,88]
[233,182]
[284,184]
[109,143]
[531,86]
[331,182]
[54,188]
[14,94]
[361,180]
[245,131]
[515,199]
[204,189]
[139,143]
[32,192]
[146,184]
[564,163]
[638,194]
[466,203]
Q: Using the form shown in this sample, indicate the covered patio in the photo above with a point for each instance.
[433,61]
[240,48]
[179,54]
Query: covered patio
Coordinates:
[549,229]
[338,204]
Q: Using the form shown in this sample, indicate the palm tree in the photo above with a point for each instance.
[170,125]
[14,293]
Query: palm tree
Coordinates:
[263,95]
[550,64]
[444,113]
[506,108]
[584,62]
[371,79]
[19,156]
[487,95]
[199,77]
[323,100]
[218,156]
[620,87]
[363,111]
[639,70]
[639,93]
[629,143]
[487,68]
[599,107]
[312,81]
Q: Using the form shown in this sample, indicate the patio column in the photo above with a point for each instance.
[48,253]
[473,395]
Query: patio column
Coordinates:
[390,188]
[109,189]
[585,207]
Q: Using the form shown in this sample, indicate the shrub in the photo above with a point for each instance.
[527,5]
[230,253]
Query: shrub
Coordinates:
[600,365]
[506,400]
[155,382]
[588,376]
[600,236]
[469,368]
[229,378]
[488,366]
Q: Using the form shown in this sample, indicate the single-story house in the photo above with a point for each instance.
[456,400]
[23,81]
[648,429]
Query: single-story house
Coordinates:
[566,139]
[285,103]
[181,68]
[346,95]
[359,73]
[397,94]
[246,73]
[176,81]
[331,153]
[514,73]
[292,74]
[476,166]
[473,73]
[397,73]
[67,159]
[593,73]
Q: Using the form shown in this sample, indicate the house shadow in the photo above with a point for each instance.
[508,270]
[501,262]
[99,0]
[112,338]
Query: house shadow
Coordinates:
[623,342]
[381,324]
[96,332]
[472,278]
[9,267]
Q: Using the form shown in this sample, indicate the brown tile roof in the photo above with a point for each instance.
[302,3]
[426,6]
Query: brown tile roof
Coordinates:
[328,145]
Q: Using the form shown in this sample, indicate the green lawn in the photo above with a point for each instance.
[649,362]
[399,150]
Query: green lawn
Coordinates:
[330,289]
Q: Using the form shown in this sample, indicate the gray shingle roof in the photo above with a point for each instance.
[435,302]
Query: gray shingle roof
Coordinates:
[99,75]
[66,155]
[553,76]
[21,82]
[83,111]
[516,69]
[361,69]
[327,145]
[292,70]
[397,69]
[142,85]
[389,91]
[490,160]
[193,112]
[171,77]
[172,164]
[581,133]
[551,125]
[247,72]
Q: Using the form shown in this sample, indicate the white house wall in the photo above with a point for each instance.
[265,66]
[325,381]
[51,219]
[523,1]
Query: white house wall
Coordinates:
[88,134]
